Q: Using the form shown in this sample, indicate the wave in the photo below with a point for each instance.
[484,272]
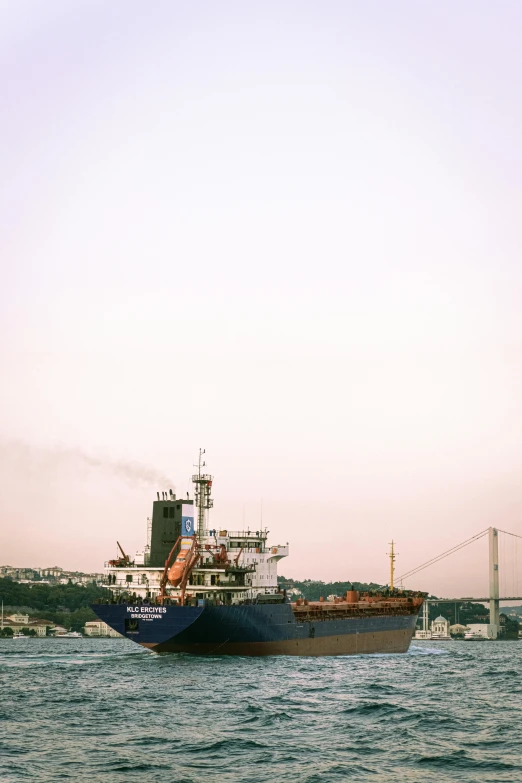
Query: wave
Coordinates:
[114,716]
[461,760]
[416,650]
[375,707]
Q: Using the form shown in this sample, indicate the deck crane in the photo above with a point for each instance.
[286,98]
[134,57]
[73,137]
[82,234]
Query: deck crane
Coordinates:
[122,561]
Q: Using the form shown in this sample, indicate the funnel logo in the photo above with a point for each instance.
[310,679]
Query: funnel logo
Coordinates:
[187,519]
[187,526]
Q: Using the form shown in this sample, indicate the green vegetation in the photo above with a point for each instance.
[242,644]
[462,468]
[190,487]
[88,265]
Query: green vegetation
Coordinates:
[6,632]
[73,621]
[462,613]
[66,605]
[52,597]
[468,612]
[312,590]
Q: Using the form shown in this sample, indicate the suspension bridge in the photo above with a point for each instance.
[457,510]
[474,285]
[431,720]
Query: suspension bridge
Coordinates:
[495,582]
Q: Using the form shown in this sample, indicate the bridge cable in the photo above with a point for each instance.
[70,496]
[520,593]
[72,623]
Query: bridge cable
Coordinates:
[443,555]
[508,533]
[515,566]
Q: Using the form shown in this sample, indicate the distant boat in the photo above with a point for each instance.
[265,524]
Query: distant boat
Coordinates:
[20,636]
[473,636]
[69,635]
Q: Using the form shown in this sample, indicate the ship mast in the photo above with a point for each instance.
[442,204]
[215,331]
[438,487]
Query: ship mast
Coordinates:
[392,556]
[203,486]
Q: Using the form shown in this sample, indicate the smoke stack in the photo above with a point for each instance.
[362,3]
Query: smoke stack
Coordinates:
[157,493]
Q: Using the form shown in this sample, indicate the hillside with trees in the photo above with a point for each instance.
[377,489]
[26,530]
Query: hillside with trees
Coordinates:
[313,589]
[66,605]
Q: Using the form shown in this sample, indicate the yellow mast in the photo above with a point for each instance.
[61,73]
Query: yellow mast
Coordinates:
[391,555]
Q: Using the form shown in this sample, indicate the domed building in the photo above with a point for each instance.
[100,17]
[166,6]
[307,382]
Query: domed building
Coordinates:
[458,630]
[440,628]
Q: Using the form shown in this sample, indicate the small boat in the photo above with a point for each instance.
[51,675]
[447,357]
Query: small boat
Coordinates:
[69,635]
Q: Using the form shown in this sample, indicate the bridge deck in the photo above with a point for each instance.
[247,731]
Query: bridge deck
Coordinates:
[468,598]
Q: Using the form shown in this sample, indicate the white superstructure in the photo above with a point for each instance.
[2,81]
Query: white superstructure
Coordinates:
[251,569]
[231,565]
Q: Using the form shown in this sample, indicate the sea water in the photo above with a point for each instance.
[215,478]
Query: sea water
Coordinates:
[107,711]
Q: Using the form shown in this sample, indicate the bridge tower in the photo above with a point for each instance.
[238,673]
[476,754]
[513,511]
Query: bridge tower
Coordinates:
[494,603]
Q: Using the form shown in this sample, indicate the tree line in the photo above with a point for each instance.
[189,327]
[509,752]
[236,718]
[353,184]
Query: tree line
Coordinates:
[312,590]
[66,605]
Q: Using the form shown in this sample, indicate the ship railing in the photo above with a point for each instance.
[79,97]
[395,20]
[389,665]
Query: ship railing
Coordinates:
[141,583]
[211,566]
[249,550]
[279,550]
[259,535]
[332,611]
[133,566]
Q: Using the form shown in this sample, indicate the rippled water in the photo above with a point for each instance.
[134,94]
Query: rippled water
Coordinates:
[105,711]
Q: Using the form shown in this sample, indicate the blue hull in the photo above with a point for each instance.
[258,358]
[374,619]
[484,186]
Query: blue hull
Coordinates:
[255,629]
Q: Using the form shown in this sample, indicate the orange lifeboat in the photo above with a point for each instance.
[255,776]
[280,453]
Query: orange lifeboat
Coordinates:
[177,570]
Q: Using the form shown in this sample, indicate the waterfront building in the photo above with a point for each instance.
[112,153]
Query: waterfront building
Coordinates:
[440,628]
[458,629]
[482,630]
[98,628]
[18,622]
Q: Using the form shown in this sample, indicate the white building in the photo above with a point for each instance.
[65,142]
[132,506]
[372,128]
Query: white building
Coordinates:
[440,628]
[98,628]
[458,629]
[17,622]
[54,571]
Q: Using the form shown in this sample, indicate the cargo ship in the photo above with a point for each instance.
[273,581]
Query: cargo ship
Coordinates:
[209,591]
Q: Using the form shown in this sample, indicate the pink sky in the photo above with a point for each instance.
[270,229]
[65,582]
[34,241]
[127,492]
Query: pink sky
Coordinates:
[287,232]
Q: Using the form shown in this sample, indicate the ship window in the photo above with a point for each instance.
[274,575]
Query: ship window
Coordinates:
[128,578]
[171,512]
[165,512]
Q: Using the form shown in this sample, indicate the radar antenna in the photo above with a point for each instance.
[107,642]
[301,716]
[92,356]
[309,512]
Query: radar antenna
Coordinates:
[203,487]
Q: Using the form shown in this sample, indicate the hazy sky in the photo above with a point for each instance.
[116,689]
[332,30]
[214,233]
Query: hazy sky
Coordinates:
[288,232]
